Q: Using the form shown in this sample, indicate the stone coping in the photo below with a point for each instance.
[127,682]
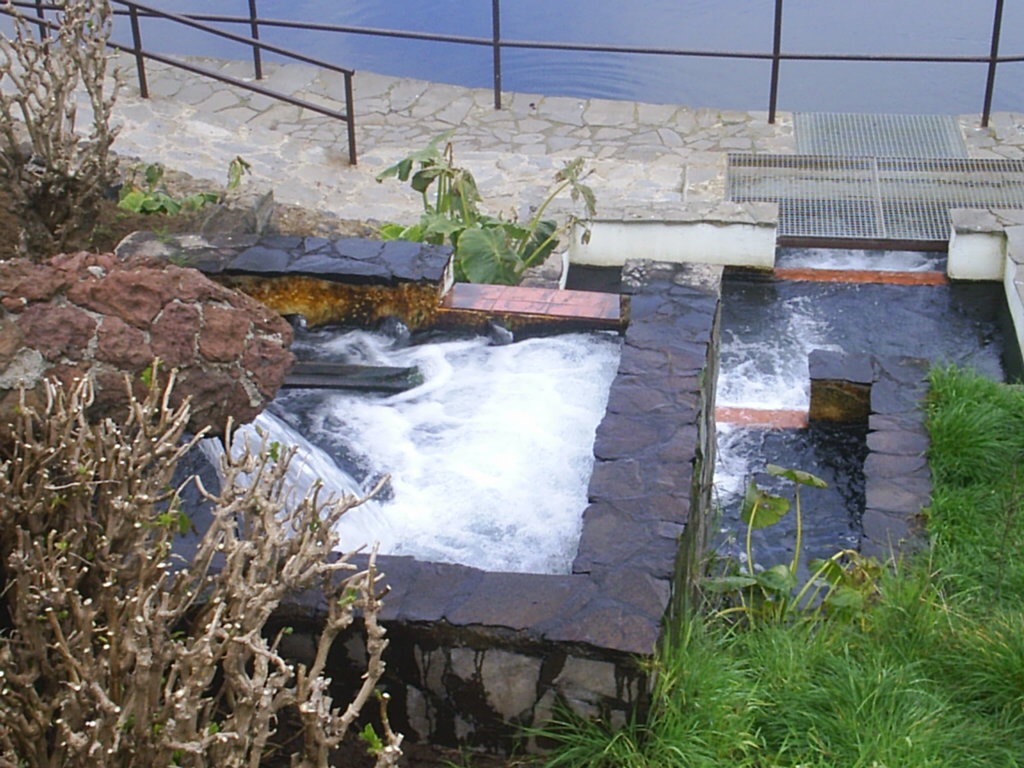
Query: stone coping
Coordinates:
[641,497]
[985,220]
[897,480]
[349,259]
[721,212]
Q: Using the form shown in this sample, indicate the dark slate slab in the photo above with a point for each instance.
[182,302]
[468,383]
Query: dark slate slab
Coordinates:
[359,248]
[521,600]
[314,244]
[326,264]
[900,494]
[824,364]
[900,442]
[261,258]
[282,242]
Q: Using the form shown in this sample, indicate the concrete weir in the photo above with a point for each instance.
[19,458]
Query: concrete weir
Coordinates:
[475,655]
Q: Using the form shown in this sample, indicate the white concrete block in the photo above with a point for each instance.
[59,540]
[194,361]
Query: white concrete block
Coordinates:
[730,244]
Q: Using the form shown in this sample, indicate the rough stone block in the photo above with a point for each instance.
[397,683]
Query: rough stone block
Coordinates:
[510,682]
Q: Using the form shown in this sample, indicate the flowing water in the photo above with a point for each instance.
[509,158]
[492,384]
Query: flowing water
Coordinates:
[937,27]
[489,459]
[769,328]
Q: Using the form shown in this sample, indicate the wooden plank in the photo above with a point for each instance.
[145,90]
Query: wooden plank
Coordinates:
[320,374]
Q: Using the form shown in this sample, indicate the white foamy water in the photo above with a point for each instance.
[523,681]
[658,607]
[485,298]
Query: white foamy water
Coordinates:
[842,258]
[765,366]
[489,458]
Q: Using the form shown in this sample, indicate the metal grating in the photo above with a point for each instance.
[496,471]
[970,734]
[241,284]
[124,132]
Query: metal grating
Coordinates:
[873,198]
[856,135]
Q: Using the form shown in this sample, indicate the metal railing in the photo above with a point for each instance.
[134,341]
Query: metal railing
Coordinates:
[776,56]
[135,11]
[497,44]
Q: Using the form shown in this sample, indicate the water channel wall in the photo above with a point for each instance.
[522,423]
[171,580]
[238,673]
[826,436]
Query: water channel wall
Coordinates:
[724,232]
[888,394]
[989,245]
[476,655]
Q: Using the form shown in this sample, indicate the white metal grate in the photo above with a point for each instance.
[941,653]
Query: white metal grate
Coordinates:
[874,198]
[865,135]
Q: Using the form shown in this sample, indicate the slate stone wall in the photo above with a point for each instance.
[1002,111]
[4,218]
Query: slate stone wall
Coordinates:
[897,481]
[474,655]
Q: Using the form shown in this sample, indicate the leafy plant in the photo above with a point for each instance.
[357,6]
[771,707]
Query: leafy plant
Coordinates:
[840,584]
[152,197]
[488,249]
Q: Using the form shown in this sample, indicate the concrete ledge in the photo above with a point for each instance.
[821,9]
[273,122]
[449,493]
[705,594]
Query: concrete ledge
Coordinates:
[726,233]
[989,245]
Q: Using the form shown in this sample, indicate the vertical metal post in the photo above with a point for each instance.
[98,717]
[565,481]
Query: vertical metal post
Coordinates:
[254,29]
[496,47]
[140,63]
[350,118]
[40,13]
[993,60]
[773,96]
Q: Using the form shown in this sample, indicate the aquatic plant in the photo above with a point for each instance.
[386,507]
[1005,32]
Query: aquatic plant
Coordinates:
[839,585]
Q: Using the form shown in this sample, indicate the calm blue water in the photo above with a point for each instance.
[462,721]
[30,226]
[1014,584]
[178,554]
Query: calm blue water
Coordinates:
[961,27]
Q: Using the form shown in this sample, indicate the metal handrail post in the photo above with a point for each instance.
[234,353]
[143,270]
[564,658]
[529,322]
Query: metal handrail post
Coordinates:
[773,95]
[350,119]
[254,28]
[44,32]
[990,83]
[140,63]
[496,46]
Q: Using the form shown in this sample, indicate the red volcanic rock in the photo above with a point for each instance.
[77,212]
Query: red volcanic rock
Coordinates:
[91,314]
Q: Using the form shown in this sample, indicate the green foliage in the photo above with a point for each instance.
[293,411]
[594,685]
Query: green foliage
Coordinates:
[488,249]
[975,520]
[841,585]
[150,196]
[930,675]
[702,714]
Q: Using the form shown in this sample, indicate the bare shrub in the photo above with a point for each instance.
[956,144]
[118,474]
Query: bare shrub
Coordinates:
[54,176]
[118,653]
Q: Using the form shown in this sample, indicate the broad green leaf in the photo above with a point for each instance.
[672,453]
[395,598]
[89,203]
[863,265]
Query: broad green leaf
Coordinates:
[796,475]
[829,570]
[439,224]
[132,200]
[422,179]
[541,243]
[390,231]
[154,172]
[779,579]
[845,597]
[485,256]
[728,583]
[760,508]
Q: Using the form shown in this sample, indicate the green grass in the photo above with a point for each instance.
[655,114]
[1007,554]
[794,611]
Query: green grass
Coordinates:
[932,675]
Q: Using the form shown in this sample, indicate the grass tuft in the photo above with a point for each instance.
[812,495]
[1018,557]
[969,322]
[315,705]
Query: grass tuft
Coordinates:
[932,677]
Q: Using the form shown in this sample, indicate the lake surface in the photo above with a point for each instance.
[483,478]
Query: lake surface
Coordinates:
[937,27]
[906,27]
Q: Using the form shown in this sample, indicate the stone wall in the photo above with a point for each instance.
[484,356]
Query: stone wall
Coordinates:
[476,655]
[473,655]
[897,481]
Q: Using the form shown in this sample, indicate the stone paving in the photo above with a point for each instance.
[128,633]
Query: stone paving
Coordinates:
[648,160]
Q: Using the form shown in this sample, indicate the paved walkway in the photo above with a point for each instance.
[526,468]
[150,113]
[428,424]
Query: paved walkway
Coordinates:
[646,158]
